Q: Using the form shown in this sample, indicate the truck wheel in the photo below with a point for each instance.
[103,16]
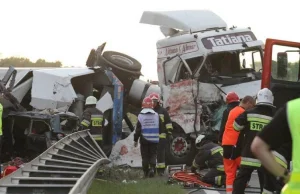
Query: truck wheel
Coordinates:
[122,60]
[181,149]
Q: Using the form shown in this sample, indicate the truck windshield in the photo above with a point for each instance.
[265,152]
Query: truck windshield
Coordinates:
[235,67]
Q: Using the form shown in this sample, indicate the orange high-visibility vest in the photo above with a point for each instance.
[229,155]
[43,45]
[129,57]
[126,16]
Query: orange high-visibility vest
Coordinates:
[230,135]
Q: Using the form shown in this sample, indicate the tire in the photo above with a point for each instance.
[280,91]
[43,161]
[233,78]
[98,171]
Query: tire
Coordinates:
[185,158]
[125,76]
[123,61]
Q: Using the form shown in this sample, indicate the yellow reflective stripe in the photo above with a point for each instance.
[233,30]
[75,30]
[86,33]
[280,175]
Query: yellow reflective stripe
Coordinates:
[237,127]
[280,159]
[97,120]
[162,117]
[169,126]
[250,162]
[96,116]
[216,150]
[220,167]
[160,165]
[162,135]
[85,123]
[218,180]
[195,164]
[97,137]
[259,118]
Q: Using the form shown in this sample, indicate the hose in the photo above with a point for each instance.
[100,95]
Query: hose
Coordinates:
[189,177]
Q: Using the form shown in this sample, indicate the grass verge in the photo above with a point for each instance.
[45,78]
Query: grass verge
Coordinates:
[142,186]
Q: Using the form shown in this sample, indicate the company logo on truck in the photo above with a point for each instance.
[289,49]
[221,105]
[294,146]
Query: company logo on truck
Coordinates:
[177,49]
[228,39]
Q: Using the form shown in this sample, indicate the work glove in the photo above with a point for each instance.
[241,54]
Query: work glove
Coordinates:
[135,144]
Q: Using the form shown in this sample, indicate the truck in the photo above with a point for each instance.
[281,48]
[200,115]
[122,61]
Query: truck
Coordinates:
[199,61]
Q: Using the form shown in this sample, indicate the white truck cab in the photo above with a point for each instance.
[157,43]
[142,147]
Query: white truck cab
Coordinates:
[198,62]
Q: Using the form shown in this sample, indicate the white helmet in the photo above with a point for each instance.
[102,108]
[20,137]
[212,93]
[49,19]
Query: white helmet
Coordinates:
[91,100]
[265,97]
[198,140]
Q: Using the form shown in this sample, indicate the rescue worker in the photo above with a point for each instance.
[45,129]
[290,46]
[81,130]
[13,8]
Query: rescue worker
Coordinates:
[92,119]
[283,129]
[209,156]
[148,128]
[232,143]
[249,123]
[164,116]
[232,100]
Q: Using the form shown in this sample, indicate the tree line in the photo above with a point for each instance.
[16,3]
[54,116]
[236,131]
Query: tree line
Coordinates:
[25,62]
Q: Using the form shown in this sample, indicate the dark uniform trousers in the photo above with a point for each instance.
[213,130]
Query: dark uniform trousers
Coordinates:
[214,177]
[210,156]
[161,151]
[244,176]
[149,154]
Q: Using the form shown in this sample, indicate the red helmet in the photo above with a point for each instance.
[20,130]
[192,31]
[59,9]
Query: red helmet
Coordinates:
[232,97]
[154,96]
[147,103]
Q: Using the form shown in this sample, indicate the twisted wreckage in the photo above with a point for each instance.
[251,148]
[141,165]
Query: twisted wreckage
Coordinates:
[198,62]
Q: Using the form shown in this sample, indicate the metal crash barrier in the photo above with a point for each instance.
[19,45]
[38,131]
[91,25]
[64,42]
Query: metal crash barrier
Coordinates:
[67,167]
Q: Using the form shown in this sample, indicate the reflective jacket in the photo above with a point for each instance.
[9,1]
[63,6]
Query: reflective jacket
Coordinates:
[249,124]
[165,118]
[230,106]
[210,155]
[93,119]
[148,127]
[230,135]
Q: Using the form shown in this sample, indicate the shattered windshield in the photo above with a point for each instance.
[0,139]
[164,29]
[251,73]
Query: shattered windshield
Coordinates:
[238,65]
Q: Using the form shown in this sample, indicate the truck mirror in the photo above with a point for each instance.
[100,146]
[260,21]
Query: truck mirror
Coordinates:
[244,63]
[282,64]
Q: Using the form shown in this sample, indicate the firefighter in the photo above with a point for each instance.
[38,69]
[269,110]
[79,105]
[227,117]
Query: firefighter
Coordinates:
[92,119]
[232,143]
[283,129]
[164,116]
[232,100]
[209,156]
[148,128]
[249,123]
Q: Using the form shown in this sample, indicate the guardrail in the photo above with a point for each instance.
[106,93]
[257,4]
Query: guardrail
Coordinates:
[67,167]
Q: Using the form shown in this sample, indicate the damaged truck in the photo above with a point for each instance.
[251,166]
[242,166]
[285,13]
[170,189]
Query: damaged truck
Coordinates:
[198,62]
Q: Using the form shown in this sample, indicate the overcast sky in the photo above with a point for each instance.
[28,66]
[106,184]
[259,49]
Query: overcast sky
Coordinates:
[66,30]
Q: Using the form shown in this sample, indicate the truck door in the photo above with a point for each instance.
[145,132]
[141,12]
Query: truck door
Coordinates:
[281,70]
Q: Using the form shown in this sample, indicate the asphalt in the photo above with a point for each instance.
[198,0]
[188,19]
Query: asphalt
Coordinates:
[254,182]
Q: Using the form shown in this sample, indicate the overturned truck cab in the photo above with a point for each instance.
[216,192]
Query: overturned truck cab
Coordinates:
[198,62]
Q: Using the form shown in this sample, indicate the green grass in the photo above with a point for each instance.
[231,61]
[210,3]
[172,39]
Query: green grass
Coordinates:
[143,186]
[110,181]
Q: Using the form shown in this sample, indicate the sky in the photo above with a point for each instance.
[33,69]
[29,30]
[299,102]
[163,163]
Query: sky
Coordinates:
[66,30]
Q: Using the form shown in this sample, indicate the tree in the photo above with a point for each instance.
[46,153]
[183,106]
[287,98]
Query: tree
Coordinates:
[24,62]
